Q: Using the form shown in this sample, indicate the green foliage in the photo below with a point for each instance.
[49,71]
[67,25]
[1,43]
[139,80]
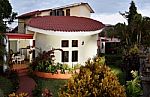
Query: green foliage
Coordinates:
[113,59]
[77,66]
[132,12]
[94,80]
[5,9]
[119,73]
[133,50]
[2,48]
[133,87]
[6,85]
[42,61]
[1,93]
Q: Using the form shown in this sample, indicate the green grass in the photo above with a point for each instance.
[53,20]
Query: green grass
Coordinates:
[6,85]
[119,73]
[52,84]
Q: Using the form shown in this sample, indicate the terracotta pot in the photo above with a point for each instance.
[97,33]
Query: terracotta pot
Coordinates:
[52,76]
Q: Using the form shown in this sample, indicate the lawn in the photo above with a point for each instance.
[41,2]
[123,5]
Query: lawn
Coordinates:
[120,74]
[52,84]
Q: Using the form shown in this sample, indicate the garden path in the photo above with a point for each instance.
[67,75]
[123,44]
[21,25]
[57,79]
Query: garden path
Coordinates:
[26,83]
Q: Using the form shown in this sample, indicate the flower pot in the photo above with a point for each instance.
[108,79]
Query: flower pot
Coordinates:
[59,71]
[66,71]
[52,76]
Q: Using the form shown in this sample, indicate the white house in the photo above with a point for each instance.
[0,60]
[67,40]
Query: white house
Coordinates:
[69,28]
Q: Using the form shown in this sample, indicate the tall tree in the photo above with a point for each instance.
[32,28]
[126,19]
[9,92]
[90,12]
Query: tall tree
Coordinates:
[5,17]
[131,13]
[6,14]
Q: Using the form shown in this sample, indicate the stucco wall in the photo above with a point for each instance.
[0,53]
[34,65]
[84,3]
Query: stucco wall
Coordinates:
[45,13]
[80,11]
[88,50]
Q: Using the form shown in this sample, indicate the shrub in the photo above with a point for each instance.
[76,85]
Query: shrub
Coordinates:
[1,93]
[94,80]
[134,88]
[6,85]
[18,95]
[44,62]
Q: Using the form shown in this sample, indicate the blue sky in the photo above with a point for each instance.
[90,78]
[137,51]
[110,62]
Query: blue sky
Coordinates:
[106,11]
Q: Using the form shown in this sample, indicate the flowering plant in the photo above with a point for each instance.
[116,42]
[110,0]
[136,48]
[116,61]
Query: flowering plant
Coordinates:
[18,95]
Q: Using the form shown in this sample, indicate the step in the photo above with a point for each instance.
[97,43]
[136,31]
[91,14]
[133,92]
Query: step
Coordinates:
[22,71]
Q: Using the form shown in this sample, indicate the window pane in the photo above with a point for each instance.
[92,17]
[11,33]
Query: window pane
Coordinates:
[74,56]
[64,43]
[74,43]
[65,56]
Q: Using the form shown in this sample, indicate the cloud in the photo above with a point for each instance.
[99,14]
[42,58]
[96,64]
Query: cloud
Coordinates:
[109,18]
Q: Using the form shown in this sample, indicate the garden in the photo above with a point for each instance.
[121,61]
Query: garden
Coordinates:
[107,75]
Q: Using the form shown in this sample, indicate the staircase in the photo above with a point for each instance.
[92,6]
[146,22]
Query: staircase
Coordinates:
[21,69]
[22,72]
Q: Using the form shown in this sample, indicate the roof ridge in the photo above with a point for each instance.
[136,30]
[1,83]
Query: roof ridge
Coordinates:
[55,8]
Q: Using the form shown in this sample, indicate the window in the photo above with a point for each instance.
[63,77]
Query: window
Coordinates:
[74,56]
[53,13]
[67,12]
[60,13]
[65,56]
[74,43]
[65,43]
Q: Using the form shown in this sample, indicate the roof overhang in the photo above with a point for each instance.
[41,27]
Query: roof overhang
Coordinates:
[19,36]
[63,33]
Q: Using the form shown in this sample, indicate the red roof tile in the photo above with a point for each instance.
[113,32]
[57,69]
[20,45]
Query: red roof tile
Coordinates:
[29,14]
[65,23]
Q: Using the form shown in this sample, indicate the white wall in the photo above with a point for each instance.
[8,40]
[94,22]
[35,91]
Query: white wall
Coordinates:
[13,45]
[89,49]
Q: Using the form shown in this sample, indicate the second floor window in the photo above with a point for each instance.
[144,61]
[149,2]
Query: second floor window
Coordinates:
[67,12]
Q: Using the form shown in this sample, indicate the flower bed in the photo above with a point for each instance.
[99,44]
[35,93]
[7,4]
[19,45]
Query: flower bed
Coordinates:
[52,76]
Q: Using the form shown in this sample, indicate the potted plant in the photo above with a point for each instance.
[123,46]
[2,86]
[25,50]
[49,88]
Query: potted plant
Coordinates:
[77,68]
[59,68]
[65,68]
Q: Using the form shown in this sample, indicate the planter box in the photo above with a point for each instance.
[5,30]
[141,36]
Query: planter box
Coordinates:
[52,76]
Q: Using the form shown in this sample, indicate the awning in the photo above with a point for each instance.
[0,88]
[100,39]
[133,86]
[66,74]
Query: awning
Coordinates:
[19,36]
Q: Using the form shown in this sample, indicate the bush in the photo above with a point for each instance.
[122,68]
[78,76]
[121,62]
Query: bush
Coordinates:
[94,80]
[134,88]
[1,93]
[6,85]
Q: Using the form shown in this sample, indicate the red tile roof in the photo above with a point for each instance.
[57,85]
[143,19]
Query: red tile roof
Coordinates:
[65,23]
[29,14]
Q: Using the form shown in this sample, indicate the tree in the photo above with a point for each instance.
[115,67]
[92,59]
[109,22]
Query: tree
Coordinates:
[5,12]
[131,13]
[6,16]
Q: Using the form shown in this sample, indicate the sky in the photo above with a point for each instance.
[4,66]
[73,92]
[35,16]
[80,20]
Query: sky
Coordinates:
[106,11]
